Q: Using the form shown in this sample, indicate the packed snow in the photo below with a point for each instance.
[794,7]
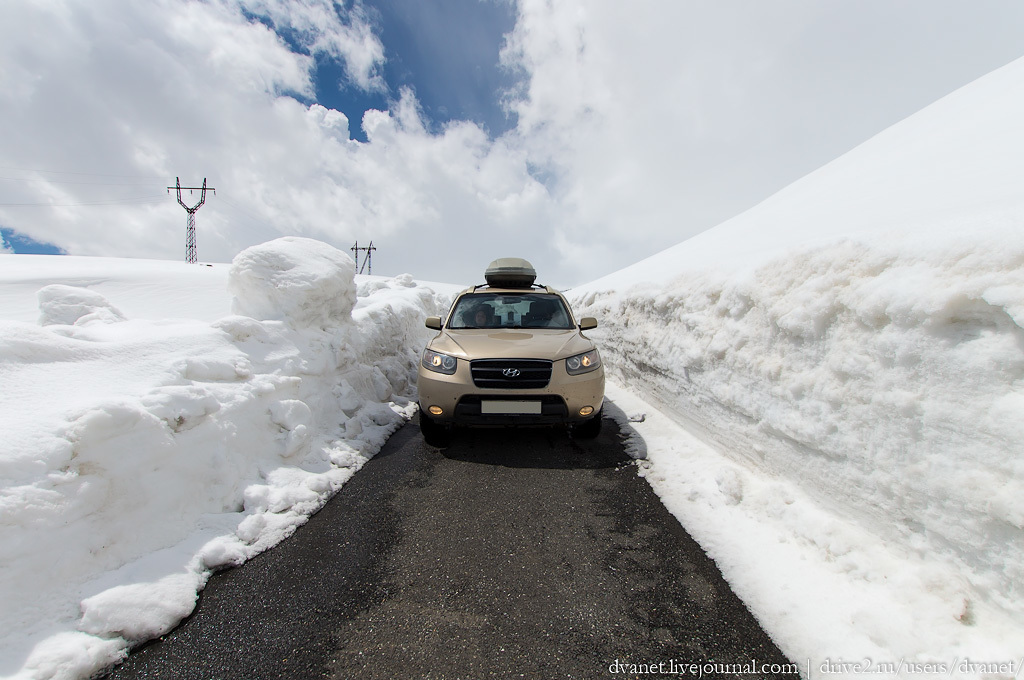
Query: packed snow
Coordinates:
[826,391]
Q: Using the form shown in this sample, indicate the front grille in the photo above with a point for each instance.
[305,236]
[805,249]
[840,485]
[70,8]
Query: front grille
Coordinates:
[511,374]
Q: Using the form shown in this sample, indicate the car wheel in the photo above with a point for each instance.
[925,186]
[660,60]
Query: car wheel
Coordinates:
[590,428]
[434,433]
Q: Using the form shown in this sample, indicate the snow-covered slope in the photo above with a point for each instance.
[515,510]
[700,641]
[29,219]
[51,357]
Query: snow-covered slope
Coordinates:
[143,289]
[854,347]
[952,172]
[140,450]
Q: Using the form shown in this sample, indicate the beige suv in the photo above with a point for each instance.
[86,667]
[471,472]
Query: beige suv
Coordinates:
[510,353]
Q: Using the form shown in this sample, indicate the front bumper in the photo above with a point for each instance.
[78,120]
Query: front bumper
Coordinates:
[462,402]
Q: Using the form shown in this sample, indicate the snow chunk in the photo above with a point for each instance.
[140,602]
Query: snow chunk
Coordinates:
[304,282]
[140,611]
[70,305]
[72,654]
[182,407]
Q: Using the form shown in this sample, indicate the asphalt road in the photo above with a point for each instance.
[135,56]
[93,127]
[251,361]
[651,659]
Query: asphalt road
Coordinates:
[507,555]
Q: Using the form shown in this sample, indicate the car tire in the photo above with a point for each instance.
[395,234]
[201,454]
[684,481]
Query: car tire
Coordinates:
[434,434]
[589,429]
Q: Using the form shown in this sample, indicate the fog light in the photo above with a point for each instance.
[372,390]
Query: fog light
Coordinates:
[437,410]
[586,410]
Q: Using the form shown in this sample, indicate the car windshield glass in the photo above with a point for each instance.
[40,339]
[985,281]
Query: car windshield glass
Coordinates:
[510,310]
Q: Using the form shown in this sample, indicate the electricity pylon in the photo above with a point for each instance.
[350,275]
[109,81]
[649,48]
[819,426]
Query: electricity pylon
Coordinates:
[367,261]
[190,232]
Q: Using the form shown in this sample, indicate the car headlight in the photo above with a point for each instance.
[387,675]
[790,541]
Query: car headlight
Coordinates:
[583,363]
[439,363]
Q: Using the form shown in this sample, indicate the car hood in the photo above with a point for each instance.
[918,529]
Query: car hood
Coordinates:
[511,343]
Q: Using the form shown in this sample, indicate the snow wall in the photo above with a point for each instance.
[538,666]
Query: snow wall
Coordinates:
[177,447]
[861,335]
[898,407]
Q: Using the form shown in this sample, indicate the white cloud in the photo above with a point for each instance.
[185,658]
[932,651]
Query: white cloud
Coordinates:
[639,124]
[318,24]
[658,120]
[114,100]
[133,96]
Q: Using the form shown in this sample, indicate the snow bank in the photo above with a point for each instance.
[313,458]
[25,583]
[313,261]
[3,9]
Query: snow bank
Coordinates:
[885,390]
[852,350]
[139,455]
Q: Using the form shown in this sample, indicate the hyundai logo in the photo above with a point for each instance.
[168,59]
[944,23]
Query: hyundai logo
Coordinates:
[511,372]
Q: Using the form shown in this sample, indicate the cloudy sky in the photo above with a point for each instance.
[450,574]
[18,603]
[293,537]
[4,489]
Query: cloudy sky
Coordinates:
[583,135]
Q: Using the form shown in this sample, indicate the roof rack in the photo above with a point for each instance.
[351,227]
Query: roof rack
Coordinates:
[510,272]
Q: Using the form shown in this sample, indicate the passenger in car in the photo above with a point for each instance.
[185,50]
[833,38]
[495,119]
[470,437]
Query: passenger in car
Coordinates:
[478,317]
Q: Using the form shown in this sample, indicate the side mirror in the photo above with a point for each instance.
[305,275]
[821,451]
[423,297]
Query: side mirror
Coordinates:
[434,322]
[588,322]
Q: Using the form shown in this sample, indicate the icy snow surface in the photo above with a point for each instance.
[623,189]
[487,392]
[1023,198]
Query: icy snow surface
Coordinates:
[826,391]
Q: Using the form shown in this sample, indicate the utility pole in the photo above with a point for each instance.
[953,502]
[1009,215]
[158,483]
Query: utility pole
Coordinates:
[367,261]
[190,232]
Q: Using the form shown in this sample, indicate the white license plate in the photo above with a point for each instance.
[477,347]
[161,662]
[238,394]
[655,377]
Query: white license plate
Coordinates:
[510,407]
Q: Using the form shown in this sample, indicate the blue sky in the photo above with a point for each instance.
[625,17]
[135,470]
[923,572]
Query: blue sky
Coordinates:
[447,51]
[19,243]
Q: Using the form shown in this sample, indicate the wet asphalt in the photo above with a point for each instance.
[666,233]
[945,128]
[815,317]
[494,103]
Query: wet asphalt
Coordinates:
[522,554]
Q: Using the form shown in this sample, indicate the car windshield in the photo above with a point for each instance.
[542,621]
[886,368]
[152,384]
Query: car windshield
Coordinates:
[510,310]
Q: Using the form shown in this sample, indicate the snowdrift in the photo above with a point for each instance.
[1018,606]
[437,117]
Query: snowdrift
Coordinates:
[141,454]
[858,339]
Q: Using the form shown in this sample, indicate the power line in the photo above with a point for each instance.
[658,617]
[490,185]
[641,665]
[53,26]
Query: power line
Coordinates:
[139,181]
[83,174]
[125,201]
[243,211]
[42,180]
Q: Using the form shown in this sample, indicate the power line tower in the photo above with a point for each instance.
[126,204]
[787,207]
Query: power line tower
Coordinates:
[367,261]
[190,232]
